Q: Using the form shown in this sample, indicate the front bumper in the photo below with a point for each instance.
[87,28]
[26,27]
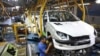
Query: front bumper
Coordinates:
[64,46]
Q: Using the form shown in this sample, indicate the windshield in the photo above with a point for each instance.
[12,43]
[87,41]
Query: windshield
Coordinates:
[60,16]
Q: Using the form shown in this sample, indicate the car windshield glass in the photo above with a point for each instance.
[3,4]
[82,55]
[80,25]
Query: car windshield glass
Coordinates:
[61,16]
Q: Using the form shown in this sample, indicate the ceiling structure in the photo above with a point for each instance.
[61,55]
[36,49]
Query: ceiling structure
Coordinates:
[20,5]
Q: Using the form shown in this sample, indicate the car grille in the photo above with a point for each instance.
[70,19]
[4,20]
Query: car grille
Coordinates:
[76,41]
[79,38]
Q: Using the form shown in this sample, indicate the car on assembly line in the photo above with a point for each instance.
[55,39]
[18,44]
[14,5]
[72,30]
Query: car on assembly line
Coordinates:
[67,30]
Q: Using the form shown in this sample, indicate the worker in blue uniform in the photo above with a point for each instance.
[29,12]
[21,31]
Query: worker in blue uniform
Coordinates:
[43,47]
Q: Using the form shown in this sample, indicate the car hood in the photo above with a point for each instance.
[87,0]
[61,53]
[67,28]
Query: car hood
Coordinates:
[76,28]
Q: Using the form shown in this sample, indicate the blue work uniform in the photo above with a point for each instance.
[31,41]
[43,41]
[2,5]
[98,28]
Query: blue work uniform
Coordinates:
[42,47]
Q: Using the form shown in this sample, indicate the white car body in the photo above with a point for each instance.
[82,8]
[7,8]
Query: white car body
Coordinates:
[75,34]
[74,30]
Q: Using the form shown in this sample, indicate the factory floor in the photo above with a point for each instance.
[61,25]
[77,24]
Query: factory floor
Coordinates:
[93,51]
[23,49]
[10,39]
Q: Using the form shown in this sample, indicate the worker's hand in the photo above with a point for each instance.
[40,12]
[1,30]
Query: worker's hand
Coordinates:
[50,44]
[49,36]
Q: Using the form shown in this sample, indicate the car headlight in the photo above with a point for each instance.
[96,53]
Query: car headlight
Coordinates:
[62,35]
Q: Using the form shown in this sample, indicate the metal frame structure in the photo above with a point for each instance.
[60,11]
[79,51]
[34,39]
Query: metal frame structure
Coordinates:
[15,26]
[4,10]
[42,5]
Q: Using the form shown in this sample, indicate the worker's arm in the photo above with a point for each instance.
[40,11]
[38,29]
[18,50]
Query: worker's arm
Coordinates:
[48,48]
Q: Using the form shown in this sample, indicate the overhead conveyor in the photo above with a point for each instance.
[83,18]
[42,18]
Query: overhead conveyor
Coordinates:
[42,4]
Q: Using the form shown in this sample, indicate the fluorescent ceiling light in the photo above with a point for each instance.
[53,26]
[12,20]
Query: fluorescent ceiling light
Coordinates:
[17,7]
[60,6]
[98,1]
[16,0]
[56,7]
[85,4]
[13,8]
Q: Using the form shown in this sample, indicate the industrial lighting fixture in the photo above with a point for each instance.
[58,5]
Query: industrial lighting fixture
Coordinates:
[16,0]
[98,1]
[56,7]
[85,4]
[17,7]
[60,6]
[13,8]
